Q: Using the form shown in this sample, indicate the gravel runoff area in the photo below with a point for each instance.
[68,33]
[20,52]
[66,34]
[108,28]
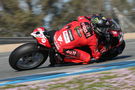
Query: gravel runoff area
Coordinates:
[10,47]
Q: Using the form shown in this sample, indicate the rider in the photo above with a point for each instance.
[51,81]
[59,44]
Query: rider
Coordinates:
[101,26]
[82,32]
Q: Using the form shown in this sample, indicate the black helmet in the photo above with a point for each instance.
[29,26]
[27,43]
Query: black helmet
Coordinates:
[100,21]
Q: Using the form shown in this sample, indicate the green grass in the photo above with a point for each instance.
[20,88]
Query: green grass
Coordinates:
[97,84]
[105,73]
[76,81]
[108,77]
[34,89]
[11,86]
[81,84]
[132,68]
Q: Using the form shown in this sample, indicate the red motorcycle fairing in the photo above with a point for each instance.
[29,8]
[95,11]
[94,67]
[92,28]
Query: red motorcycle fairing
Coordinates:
[38,33]
[117,34]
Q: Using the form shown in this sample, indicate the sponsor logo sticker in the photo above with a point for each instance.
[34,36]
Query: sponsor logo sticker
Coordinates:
[70,35]
[60,39]
[66,37]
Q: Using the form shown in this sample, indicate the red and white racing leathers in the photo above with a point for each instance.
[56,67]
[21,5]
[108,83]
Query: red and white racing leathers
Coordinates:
[76,34]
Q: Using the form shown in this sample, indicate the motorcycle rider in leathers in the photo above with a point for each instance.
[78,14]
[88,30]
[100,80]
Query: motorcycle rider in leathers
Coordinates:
[78,33]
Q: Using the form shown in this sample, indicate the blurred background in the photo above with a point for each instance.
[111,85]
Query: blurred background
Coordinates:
[18,18]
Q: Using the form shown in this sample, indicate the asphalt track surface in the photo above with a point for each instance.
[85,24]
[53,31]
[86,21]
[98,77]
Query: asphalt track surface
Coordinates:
[126,58]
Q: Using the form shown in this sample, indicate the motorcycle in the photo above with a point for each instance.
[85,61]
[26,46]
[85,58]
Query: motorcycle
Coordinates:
[32,55]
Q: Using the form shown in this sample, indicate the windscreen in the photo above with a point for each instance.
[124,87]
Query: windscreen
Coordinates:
[115,25]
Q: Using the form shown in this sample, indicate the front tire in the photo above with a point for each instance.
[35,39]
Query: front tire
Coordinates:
[114,52]
[27,56]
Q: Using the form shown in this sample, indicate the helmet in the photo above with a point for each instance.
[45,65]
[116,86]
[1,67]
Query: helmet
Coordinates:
[100,21]
[40,34]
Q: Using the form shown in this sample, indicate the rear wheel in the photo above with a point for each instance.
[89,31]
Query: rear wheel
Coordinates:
[27,56]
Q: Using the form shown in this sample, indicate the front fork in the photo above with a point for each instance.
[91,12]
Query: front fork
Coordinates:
[55,57]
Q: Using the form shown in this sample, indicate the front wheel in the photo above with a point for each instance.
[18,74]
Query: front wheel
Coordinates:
[27,56]
[114,52]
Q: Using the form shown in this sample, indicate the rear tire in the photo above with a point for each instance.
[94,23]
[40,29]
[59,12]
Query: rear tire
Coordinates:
[25,57]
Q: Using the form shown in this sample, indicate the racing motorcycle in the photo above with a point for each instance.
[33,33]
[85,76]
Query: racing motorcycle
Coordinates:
[32,55]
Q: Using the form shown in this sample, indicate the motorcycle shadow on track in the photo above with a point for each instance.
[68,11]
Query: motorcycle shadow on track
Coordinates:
[61,65]
[115,58]
[97,61]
